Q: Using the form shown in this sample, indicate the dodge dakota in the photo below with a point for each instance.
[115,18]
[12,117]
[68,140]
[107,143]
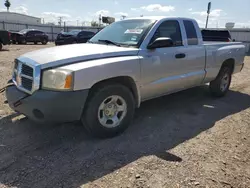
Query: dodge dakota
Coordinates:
[100,83]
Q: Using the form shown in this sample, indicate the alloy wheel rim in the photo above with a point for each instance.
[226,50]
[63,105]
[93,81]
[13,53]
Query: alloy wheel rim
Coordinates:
[224,82]
[112,111]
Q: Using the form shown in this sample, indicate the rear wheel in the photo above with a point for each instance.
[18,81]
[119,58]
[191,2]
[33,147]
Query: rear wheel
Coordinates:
[44,41]
[23,41]
[220,86]
[109,111]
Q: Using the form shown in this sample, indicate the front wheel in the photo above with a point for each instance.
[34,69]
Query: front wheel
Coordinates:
[109,111]
[220,86]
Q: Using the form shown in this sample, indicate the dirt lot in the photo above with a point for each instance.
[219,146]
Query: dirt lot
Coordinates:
[183,140]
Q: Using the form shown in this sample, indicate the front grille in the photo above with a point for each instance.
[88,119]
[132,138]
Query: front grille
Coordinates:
[23,76]
[27,83]
[27,70]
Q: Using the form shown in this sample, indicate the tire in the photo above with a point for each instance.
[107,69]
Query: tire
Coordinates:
[220,86]
[44,41]
[94,119]
[13,42]
[1,46]
[23,41]
[35,42]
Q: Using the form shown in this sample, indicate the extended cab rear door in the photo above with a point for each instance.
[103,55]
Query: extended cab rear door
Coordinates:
[195,54]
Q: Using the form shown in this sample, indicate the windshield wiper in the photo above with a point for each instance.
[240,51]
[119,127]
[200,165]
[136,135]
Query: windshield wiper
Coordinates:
[109,42]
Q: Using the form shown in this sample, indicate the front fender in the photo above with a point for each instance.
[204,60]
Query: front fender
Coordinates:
[87,74]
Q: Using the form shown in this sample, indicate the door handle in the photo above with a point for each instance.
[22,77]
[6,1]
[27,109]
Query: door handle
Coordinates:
[180,56]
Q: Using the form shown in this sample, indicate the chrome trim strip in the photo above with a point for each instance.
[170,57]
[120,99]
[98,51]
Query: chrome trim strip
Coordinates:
[25,76]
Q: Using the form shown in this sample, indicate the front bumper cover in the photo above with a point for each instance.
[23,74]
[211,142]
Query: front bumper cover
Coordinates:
[48,106]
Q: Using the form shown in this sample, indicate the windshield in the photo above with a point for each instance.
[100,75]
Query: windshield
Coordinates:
[24,31]
[127,32]
[72,32]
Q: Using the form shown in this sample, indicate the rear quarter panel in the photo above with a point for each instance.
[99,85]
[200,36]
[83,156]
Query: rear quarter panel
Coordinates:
[218,53]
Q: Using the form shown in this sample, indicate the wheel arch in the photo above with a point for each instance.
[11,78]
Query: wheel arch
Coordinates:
[229,63]
[127,81]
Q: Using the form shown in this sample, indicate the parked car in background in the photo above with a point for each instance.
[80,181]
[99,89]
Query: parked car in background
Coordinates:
[29,35]
[74,36]
[4,38]
[216,35]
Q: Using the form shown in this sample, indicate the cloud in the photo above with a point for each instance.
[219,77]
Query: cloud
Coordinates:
[56,14]
[201,23]
[53,17]
[242,24]
[116,2]
[190,9]
[158,7]
[122,14]
[21,10]
[213,13]
[155,8]
[102,12]
[134,9]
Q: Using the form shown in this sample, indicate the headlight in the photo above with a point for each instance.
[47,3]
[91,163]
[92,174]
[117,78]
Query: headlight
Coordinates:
[57,79]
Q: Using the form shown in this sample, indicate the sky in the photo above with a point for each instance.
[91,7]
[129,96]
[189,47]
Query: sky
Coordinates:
[82,12]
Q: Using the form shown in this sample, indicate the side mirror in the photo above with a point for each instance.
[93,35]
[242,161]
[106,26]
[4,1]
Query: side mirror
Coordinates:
[161,42]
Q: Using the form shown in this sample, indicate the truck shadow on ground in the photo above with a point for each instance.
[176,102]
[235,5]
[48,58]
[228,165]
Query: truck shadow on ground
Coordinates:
[65,156]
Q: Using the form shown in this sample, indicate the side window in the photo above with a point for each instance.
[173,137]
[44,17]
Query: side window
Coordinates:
[82,34]
[39,33]
[170,29]
[30,33]
[35,33]
[191,32]
[90,34]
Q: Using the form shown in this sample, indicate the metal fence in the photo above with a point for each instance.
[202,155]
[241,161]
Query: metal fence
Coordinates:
[51,30]
[242,35]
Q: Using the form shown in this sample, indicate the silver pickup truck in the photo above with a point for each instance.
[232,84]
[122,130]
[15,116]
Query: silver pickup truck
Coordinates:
[101,82]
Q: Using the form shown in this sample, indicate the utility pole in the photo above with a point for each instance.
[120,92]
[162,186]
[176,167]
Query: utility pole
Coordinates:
[77,22]
[208,12]
[60,20]
[100,20]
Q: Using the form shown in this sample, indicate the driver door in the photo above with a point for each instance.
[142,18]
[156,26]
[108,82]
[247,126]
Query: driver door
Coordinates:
[163,69]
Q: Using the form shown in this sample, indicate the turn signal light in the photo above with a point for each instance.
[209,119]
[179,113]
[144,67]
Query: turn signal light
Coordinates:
[68,82]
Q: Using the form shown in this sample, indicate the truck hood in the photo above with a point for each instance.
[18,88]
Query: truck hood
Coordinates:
[68,54]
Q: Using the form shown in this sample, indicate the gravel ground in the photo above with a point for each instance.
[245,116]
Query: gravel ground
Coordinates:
[188,139]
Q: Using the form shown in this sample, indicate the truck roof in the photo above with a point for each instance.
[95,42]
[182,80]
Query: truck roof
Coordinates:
[159,18]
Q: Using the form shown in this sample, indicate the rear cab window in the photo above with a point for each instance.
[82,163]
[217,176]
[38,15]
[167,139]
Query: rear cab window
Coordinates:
[216,35]
[192,38]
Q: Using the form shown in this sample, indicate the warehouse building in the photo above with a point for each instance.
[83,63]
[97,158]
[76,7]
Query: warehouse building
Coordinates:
[18,18]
